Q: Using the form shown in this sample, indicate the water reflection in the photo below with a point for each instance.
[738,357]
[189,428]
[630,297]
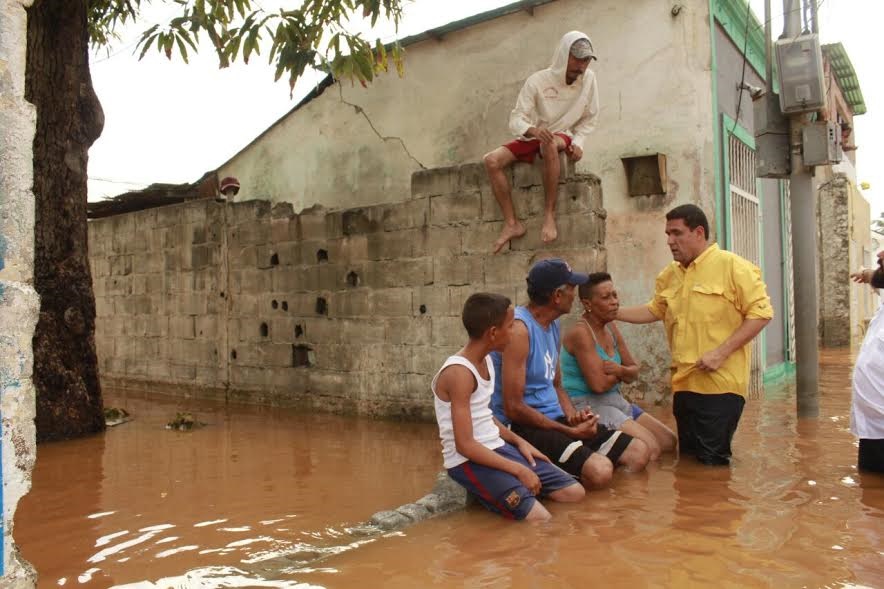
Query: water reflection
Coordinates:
[141,503]
[265,498]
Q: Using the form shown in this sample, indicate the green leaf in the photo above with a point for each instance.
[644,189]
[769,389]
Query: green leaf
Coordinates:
[364,63]
[147,45]
[182,49]
[186,36]
[168,43]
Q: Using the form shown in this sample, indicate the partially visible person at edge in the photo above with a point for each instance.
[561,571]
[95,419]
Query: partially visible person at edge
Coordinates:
[867,406]
[528,392]
[595,360]
[712,303]
[555,111]
[864,276]
[502,470]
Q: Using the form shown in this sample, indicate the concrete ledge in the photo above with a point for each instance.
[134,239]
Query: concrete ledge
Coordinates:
[445,497]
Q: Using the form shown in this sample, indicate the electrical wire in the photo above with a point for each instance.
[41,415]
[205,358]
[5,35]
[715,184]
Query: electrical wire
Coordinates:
[109,180]
[740,89]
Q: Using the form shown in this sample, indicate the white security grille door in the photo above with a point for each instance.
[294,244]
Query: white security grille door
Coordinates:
[745,221]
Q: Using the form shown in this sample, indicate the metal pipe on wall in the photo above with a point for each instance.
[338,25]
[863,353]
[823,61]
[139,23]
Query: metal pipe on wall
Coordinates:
[791,18]
[768,48]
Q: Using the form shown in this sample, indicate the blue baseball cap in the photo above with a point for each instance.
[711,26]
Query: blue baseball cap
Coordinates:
[548,275]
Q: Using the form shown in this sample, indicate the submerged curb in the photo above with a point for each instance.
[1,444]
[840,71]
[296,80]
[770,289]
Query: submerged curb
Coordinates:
[445,497]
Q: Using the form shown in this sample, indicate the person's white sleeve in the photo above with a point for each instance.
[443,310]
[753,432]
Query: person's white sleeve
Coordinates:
[525,113]
[587,123]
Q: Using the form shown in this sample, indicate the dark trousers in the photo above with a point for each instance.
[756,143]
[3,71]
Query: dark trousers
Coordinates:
[706,424]
[871,455]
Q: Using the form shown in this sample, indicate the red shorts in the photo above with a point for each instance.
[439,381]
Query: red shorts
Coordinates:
[526,151]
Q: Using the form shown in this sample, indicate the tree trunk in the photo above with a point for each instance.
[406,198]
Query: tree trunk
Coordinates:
[69,120]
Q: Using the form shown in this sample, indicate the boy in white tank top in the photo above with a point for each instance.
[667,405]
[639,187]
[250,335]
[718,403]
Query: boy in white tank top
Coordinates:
[502,470]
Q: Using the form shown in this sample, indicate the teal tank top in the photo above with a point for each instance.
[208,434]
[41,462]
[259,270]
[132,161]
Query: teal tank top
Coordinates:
[572,378]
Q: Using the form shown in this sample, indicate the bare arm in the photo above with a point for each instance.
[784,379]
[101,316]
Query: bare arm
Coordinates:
[591,366]
[584,423]
[745,333]
[515,357]
[457,384]
[638,314]
[527,450]
[628,366]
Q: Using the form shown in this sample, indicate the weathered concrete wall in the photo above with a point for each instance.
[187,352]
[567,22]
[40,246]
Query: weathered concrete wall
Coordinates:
[19,303]
[355,146]
[834,220]
[350,310]
[863,300]
[844,218]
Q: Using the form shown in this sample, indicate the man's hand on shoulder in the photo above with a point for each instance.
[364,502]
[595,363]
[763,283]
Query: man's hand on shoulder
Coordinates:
[575,153]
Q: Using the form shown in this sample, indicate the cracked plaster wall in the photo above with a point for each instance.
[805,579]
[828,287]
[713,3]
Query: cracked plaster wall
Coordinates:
[19,303]
[452,106]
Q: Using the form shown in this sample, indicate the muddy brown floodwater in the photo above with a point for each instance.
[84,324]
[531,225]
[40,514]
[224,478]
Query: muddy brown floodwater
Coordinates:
[270,498]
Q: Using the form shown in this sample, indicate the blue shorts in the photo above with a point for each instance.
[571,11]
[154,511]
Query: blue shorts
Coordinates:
[501,492]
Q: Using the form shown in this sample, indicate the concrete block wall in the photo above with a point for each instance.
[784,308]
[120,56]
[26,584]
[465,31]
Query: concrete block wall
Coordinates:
[19,303]
[158,277]
[833,214]
[348,310]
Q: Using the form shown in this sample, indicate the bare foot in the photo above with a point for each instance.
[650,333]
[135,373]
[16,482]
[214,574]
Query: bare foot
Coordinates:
[549,232]
[507,233]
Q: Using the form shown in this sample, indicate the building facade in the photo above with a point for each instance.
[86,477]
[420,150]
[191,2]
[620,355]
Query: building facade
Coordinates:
[676,126]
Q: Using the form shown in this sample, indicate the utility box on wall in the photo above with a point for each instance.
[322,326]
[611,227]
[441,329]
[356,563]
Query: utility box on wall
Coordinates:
[772,157]
[800,63]
[822,143]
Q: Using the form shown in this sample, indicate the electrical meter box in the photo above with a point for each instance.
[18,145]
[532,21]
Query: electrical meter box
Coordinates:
[800,68]
[772,156]
[821,143]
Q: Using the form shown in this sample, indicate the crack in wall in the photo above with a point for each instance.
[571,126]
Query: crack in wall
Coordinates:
[360,110]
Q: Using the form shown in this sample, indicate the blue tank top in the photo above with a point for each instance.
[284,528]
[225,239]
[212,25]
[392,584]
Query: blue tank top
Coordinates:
[572,377]
[540,369]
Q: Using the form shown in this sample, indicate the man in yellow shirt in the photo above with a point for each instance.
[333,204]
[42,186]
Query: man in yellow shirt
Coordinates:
[712,303]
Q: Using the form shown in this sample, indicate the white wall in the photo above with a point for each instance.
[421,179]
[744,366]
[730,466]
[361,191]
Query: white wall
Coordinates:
[654,75]
[19,303]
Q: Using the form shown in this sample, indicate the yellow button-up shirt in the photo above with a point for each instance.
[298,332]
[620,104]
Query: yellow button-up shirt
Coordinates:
[701,306]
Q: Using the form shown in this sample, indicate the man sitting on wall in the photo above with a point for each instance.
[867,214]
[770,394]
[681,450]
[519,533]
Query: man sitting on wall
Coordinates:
[556,109]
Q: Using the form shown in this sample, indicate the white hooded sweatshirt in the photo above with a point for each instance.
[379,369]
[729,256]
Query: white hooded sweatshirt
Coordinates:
[547,100]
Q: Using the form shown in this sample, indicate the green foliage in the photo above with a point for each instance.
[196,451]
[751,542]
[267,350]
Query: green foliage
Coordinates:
[878,224]
[311,34]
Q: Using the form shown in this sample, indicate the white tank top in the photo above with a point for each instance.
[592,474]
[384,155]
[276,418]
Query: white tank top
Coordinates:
[484,429]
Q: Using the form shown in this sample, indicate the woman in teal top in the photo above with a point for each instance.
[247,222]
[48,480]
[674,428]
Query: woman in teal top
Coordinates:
[595,360]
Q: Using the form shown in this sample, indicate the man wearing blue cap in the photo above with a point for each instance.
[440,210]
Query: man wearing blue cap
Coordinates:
[528,394]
